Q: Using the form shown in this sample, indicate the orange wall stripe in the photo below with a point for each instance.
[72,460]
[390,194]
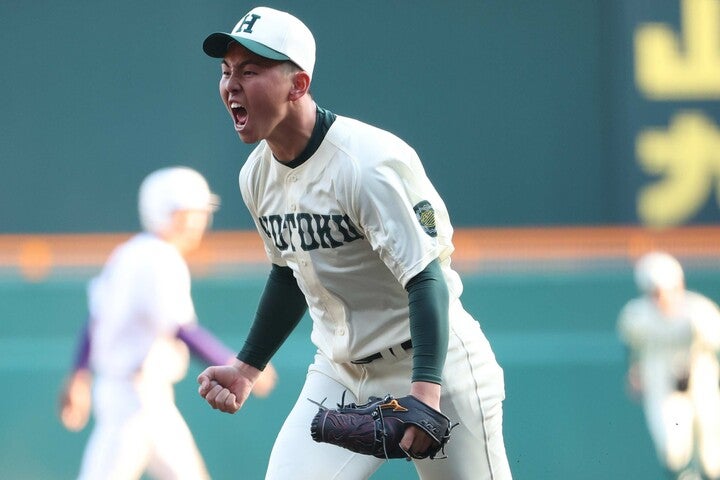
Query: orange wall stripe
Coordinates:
[36,256]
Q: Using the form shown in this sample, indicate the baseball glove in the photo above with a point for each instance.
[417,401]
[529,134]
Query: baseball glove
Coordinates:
[376,427]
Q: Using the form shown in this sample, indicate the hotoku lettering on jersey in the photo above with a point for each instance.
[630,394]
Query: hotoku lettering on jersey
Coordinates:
[312,230]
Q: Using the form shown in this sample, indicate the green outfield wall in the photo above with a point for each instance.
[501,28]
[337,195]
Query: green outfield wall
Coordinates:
[566,413]
[525,112]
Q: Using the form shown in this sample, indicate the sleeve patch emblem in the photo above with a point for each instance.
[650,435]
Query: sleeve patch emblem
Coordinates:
[426,216]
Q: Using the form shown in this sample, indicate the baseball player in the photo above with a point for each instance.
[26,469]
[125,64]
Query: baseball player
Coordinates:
[358,236]
[673,338]
[141,329]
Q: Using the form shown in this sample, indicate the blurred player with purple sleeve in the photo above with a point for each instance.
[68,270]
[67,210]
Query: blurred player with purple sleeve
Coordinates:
[136,344]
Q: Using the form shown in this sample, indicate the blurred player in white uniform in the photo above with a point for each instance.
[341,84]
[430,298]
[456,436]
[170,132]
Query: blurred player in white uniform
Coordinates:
[673,338]
[141,329]
[356,234]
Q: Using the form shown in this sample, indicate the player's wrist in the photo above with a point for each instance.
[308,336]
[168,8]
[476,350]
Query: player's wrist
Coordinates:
[426,392]
[246,370]
[82,374]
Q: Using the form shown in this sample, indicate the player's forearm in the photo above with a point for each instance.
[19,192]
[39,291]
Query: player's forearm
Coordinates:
[428,301]
[82,352]
[281,307]
[204,344]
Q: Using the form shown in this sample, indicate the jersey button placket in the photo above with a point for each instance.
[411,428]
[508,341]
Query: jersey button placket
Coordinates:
[291,192]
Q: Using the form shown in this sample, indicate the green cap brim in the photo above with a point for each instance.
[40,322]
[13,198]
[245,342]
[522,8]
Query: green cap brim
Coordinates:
[216,45]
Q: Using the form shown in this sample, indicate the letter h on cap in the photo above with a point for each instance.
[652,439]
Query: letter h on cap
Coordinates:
[247,23]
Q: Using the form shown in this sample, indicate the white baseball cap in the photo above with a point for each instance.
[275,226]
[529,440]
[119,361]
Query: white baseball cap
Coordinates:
[168,190]
[271,34]
[658,271]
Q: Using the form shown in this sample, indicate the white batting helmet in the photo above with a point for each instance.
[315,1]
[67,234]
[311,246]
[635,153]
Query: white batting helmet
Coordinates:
[167,190]
[658,271]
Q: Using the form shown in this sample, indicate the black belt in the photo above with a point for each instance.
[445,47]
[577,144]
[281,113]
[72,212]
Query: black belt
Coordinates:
[406,345]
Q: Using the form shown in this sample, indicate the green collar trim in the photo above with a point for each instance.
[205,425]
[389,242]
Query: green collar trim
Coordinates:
[323,120]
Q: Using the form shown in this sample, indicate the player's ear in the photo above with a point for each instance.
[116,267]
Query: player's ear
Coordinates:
[300,85]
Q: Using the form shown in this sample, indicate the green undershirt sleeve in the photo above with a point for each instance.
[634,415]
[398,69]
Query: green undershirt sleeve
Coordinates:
[428,299]
[281,307]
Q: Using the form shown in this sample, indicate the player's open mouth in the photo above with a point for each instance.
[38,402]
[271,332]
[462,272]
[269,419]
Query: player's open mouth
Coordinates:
[239,115]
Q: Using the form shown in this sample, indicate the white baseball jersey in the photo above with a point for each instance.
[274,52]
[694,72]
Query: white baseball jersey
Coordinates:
[362,183]
[666,347]
[673,349]
[355,222]
[136,305]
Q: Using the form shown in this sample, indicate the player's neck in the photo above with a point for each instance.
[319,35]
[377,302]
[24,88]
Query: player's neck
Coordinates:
[291,136]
